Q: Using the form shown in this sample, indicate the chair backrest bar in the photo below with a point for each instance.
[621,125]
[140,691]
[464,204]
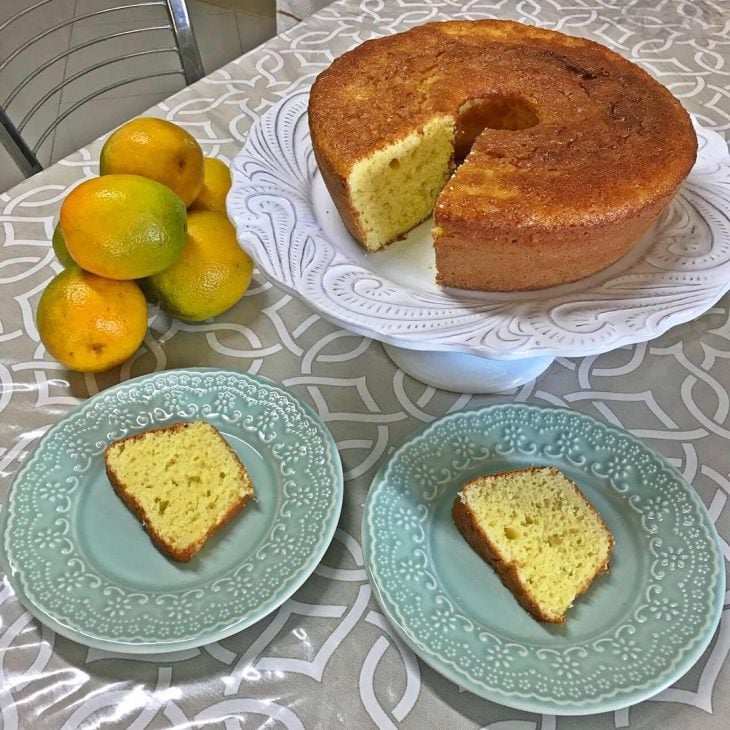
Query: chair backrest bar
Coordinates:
[17,147]
[189,51]
[94,41]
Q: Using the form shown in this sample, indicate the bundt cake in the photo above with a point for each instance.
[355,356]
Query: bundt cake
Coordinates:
[540,534]
[566,151]
[183,482]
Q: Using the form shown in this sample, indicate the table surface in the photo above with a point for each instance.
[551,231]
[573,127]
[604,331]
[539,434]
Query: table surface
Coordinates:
[328,657]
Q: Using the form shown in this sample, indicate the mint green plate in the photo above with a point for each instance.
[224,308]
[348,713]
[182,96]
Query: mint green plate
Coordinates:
[637,629]
[81,563]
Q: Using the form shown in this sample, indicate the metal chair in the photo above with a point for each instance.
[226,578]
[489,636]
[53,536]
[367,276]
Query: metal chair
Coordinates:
[14,134]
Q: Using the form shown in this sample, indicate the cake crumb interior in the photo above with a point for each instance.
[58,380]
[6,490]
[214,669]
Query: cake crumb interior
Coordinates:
[186,480]
[540,524]
[395,188]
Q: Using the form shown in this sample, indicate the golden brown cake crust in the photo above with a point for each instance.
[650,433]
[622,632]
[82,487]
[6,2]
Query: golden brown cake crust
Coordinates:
[182,556]
[561,199]
[480,542]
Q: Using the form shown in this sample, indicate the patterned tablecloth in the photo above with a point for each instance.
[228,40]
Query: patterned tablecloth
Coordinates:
[291,12]
[328,657]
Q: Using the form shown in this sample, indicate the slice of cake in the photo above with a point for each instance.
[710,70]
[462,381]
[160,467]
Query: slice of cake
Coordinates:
[538,531]
[183,482]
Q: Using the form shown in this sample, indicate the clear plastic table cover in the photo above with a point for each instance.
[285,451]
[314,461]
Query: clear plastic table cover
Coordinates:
[327,657]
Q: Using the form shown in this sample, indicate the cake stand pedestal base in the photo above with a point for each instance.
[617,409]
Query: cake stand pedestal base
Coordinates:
[463,373]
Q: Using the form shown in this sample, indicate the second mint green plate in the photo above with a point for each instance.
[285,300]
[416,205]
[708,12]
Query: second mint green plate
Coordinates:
[634,632]
[81,563]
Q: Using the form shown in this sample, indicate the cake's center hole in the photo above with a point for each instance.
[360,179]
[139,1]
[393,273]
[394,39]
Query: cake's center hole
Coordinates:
[493,112]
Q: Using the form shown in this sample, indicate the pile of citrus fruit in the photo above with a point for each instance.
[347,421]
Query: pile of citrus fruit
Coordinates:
[152,226]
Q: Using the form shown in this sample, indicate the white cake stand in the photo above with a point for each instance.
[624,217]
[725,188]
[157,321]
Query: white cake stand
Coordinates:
[471,342]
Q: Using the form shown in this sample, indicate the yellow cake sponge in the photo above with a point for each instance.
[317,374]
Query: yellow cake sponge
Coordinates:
[182,481]
[540,534]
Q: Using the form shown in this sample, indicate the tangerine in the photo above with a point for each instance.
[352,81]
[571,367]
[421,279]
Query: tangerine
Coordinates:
[89,323]
[123,226]
[59,248]
[216,184]
[210,276]
[156,149]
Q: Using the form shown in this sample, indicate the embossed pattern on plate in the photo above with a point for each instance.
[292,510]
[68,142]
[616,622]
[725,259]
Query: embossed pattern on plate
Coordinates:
[81,562]
[638,628]
[286,221]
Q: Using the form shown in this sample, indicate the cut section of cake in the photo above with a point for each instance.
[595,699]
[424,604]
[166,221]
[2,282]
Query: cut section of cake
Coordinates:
[540,534]
[395,188]
[183,482]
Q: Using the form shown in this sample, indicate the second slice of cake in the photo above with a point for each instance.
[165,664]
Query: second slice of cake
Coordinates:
[538,531]
[183,482]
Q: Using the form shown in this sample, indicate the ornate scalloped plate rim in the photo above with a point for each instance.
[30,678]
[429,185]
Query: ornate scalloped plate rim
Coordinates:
[530,702]
[206,635]
[444,339]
